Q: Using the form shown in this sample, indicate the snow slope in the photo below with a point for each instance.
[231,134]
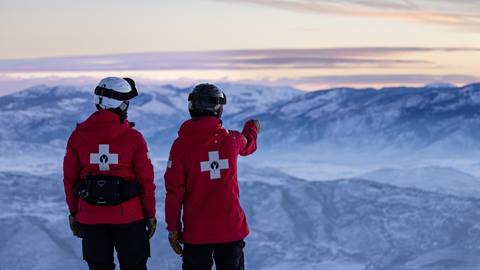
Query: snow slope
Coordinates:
[344,224]
[437,179]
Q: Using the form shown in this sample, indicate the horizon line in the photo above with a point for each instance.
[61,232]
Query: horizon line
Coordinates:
[432,85]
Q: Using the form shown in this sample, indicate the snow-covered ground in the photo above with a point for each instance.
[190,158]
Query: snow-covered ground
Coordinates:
[341,224]
[343,179]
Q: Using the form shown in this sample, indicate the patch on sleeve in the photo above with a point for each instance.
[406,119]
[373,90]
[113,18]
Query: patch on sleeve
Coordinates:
[169,164]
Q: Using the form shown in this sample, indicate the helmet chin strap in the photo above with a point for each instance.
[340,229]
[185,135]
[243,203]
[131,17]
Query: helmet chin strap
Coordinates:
[124,106]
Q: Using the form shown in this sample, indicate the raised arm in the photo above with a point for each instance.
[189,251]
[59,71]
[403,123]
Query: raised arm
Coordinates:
[248,142]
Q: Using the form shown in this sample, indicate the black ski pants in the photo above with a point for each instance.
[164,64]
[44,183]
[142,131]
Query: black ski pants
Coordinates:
[129,240]
[227,256]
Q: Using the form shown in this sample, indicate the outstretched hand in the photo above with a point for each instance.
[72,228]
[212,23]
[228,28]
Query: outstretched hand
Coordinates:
[175,239]
[256,123]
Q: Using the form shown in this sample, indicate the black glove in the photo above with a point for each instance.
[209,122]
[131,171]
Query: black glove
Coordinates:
[175,239]
[256,123]
[151,226]
[74,227]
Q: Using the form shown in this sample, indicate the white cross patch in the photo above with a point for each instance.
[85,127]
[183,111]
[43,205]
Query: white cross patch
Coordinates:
[214,165]
[103,158]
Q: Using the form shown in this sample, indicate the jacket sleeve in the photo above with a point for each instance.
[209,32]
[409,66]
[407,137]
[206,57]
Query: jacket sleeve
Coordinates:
[175,185]
[248,140]
[71,174]
[143,168]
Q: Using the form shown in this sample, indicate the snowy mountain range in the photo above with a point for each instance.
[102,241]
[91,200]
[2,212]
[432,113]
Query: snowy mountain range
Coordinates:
[404,217]
[401,120]
[47,115]
[438,120]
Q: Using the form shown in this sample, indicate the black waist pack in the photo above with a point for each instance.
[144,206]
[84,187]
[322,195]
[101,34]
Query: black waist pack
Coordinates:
[107,190]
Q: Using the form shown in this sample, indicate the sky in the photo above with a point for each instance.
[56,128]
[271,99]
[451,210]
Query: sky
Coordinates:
[309,44]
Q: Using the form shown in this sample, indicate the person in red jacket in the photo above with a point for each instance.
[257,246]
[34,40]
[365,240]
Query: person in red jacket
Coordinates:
[109,182]
[201,181]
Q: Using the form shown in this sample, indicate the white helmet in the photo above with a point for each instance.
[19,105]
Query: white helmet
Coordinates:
[114,93]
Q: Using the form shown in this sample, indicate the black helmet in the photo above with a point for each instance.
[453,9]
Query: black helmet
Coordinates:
[206,100]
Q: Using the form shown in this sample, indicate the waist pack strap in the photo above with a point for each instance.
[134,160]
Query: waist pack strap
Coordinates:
[107,190]
[130,189]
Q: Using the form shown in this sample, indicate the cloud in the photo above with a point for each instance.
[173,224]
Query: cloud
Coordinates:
[462,13]
[313,83]
[346,58]
[262,66]
[380,79]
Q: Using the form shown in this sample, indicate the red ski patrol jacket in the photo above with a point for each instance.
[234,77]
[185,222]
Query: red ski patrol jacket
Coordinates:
[201,177]
[103,134]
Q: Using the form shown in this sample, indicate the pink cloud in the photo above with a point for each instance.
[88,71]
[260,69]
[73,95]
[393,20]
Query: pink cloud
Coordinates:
[461,13]
[347,58]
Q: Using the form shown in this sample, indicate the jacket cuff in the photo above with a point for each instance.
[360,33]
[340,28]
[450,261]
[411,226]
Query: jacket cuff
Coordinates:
[73,210]
[177,228]
[150,213]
